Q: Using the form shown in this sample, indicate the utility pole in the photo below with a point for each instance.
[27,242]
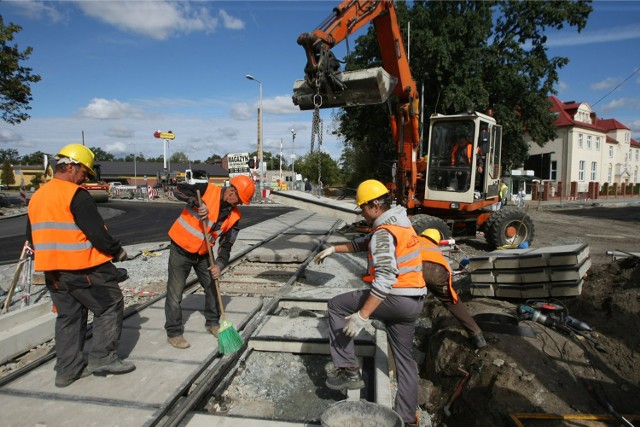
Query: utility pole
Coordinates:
[293,157]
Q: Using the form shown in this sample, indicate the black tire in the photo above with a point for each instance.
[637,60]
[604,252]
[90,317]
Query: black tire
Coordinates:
[422,222]
[509,226]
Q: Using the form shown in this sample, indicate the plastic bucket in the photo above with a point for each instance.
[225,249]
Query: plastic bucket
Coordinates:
[359,413]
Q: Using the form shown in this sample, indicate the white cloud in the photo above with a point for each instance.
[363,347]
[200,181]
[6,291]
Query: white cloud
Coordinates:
[562,86]
[39,10]
[625,103]
[120,133]
[280,105]
[230,22]
[104,109]
[118,148]
[241,111]
[9,137]
[610,34]
[607,83]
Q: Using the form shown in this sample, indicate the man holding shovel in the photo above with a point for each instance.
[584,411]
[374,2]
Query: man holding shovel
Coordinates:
[189,249]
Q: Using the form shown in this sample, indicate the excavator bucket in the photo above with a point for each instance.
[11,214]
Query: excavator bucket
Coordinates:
[362,87]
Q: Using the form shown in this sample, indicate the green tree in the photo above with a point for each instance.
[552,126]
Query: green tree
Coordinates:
[36,158]
[139,157]
[101,155]
[483,55]
[10,154]
[15,79]
[214,158]
[179,157]
[37,180]
[307,166]
[7,173]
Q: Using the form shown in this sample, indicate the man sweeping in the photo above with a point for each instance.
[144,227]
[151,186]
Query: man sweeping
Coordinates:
[220,215]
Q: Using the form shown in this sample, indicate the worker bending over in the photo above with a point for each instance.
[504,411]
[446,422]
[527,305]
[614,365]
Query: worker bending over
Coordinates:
[396,297]
[189,249]
[438,278]
[74,249]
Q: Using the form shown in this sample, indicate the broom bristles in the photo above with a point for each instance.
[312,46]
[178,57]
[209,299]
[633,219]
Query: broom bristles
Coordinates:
[229,340]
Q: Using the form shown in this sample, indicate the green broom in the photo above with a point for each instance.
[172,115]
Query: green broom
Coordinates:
[229,340]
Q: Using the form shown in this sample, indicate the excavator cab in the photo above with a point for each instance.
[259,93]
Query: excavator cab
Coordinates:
[463,160]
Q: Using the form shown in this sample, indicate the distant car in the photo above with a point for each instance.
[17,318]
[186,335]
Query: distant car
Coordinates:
[98,190]
[4,187]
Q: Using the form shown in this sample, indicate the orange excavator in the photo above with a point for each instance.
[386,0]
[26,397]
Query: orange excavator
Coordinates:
[454,186]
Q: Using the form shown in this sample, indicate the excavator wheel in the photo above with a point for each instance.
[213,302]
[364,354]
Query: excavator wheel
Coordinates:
[422,222]
[509,227]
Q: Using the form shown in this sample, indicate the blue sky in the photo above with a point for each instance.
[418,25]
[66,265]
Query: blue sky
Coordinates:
[119,70]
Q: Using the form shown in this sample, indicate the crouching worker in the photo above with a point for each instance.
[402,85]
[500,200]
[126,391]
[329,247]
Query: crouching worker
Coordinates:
[189,248]
[74,250]
[396,296]
[437,275]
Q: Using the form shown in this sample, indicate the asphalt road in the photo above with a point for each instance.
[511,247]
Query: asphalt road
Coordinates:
[130,222]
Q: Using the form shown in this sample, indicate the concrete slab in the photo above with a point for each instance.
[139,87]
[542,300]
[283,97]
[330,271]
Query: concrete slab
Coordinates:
[342,210]
[205,420]
[25,329]
[285,248]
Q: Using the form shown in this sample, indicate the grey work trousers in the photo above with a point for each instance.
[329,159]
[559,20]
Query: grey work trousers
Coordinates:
[73,294]
[180,264]
[399,314]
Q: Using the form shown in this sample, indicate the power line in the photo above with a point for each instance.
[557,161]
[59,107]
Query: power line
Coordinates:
[621,83]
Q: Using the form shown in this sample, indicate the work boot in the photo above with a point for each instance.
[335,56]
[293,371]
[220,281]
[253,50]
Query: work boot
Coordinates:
[213,330]
[346,378]
[116,367]
[178,342]
[63,382]
[478,340]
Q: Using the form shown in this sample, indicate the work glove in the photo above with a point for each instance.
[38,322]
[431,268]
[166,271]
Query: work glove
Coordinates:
[325,253]
[121,256]
[354,325]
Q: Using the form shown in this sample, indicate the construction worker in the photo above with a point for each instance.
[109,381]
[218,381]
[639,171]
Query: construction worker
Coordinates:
[438,277]
[74,250]
[189,249]
[503,193]
[396,296]
[462,155]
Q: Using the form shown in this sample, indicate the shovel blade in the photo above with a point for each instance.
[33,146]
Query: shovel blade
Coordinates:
[362,87]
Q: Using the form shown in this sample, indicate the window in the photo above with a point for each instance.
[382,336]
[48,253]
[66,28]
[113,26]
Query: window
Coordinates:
[597,143]
[611,151]
[581,170]
[553,173]
[588,142]
[579,140]
[637,151]
[594,171]
[609,170]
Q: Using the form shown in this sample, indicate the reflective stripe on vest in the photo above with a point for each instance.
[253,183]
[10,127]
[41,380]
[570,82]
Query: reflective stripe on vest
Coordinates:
[58,242]
[187,230]
[407,255]
[431,253]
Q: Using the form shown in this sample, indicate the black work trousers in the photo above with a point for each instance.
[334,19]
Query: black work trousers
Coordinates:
[74,294]
[180,264]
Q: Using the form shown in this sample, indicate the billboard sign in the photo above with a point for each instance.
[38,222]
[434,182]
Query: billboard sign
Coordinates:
[238,164]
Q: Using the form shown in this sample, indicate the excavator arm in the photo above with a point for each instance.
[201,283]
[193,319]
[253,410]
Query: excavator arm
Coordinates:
[324,86]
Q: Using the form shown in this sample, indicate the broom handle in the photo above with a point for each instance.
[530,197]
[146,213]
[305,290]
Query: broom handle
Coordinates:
[211,260]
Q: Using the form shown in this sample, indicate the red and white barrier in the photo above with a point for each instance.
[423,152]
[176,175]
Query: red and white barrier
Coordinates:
[23,195]
[152,193]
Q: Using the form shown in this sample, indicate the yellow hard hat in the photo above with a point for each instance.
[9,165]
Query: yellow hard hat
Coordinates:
[432,234]
[370,190]
[78,153]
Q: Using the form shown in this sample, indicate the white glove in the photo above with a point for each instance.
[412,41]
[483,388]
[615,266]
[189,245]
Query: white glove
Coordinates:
[325,253]
[122,255]
[354,325]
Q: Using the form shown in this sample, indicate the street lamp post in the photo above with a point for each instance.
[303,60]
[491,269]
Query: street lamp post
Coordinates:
[135,170]
[260,159]
[293,158]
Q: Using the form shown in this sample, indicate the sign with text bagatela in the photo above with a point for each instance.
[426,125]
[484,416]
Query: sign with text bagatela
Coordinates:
[238,164]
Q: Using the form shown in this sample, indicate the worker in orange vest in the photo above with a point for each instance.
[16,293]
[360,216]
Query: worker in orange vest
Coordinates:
[462,156]
[396,296]
[438,277]
[74,250]
[188,249]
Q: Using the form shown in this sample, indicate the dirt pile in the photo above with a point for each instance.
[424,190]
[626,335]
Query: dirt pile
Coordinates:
[550,372]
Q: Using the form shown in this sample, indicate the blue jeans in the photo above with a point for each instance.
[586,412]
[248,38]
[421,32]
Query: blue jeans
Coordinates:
[180,264]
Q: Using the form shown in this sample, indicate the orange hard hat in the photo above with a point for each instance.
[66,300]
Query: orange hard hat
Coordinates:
[245,188]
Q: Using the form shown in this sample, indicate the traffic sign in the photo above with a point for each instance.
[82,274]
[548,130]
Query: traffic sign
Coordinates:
[164,135]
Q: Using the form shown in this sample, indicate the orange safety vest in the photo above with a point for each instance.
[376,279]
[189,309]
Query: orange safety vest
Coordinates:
[407,258]
[431,253]
[469,148]
[58,242]
[187,230]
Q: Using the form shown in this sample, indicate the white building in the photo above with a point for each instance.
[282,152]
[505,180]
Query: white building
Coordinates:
[586,149]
